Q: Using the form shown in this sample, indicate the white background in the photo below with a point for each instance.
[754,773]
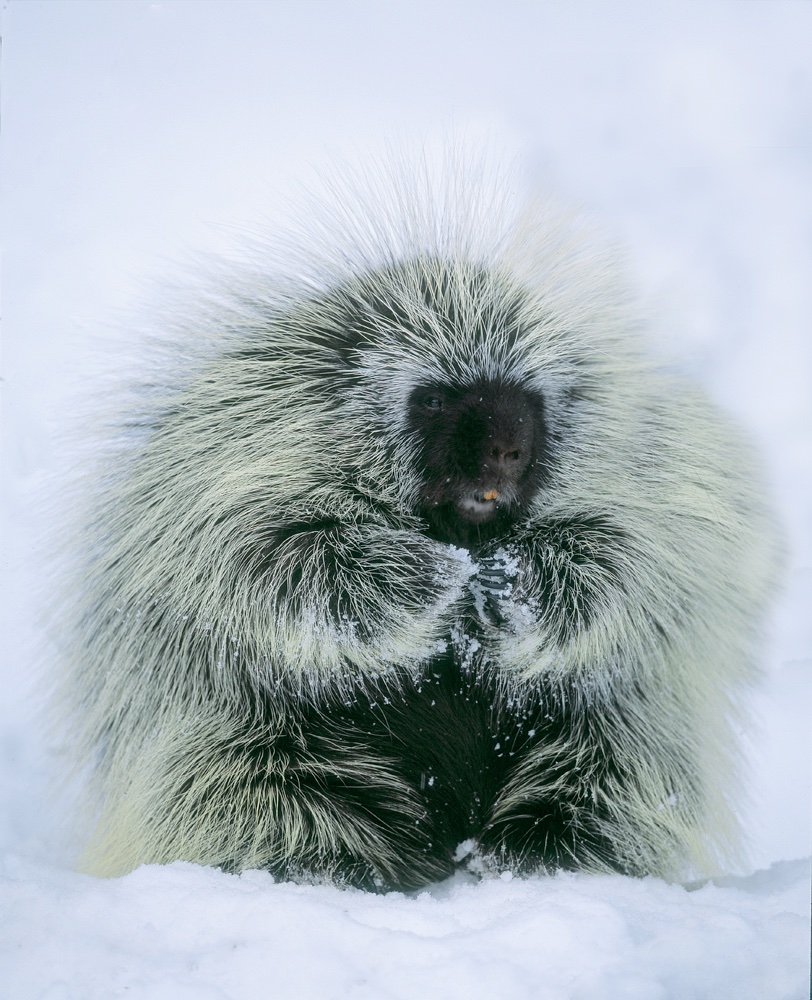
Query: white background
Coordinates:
[135,134]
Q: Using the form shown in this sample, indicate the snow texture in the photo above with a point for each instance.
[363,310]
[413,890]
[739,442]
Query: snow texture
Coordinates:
[135,133]
[185,931]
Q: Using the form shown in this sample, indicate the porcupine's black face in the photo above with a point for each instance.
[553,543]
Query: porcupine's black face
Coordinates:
[481,456]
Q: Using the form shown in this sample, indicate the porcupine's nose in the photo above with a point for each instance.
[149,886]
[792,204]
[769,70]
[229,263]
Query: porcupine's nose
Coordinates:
[504,459]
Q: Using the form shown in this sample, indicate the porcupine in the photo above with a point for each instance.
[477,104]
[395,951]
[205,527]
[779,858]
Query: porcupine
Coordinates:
[425,549]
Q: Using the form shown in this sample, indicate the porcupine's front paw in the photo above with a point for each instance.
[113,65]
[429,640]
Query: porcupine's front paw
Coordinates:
[493,585]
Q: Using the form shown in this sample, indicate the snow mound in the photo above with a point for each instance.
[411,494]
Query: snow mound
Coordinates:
[183,931]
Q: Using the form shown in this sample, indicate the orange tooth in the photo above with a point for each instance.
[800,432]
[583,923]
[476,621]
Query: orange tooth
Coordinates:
[490,495]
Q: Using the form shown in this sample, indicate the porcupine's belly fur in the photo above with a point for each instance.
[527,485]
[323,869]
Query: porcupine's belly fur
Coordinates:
[457,737]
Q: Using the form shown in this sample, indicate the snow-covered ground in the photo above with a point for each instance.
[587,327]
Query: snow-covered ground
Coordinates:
[187,932]
[137,133]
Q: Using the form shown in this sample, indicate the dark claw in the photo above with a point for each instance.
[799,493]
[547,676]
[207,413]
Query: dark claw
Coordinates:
[494,582]
[496,574]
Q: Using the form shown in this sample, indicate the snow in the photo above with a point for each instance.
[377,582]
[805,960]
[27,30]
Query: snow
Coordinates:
[137,133]
[185,931]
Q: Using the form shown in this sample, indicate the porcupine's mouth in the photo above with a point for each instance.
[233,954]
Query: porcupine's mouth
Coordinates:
[480,505]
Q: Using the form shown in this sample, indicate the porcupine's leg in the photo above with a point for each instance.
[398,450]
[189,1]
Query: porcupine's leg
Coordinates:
[550,811]
[593,787]
[307,795]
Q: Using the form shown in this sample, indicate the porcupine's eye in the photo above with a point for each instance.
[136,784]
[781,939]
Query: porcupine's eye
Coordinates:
[433,403]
